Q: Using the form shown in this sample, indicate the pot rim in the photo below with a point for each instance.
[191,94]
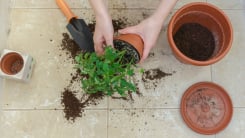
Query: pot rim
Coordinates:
[184,57]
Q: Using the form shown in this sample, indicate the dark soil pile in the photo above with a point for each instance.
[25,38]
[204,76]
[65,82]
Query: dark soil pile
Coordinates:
[16,66]
[195,41]
[73,106]
[152,77]
[70,46]
[117,24]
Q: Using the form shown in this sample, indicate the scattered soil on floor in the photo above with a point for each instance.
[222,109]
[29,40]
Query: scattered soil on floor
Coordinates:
[151,54]
[16,66]
[152,77]
[154,74]
[117,24]
[195,41]
[73,105]
[70,46]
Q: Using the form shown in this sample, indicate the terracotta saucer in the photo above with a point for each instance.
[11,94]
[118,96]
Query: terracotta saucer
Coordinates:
[206,108]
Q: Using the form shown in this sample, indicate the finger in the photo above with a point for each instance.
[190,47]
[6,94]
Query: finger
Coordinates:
[109,41]
[98,47]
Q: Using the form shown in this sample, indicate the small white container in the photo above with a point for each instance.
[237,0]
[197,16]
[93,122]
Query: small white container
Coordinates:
[26,71]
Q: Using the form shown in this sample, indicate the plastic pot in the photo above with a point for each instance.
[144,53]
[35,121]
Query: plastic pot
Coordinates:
[12,63]
[132,43]
[210,17]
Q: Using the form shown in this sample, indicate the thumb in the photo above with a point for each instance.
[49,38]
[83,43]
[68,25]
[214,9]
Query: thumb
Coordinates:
[128,30]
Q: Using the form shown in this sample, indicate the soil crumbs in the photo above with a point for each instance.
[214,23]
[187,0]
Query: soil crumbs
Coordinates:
[195,41]
[152,77]
[73,104]
[117,24]
[16,66]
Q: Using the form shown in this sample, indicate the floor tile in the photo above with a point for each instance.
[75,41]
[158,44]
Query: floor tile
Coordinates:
[165,123]
[168,91]
[39,33]
[137,4]
[223,4]
[236,127]
[122,4]
[181,3]
[51,124]
[36,29]
[229,72]
[42,37]
[4,24]
[50,4]
[146,4]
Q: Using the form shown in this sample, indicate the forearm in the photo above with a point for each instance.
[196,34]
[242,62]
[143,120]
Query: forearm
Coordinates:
[163,10]
[100,8]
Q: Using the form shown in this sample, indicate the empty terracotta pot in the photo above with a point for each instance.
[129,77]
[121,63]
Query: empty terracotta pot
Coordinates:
[206,108]
[210,17]
[132,43]
[12,63]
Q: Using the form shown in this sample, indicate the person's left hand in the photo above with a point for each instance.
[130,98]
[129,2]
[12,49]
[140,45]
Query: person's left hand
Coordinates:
[149,30]
[103,35]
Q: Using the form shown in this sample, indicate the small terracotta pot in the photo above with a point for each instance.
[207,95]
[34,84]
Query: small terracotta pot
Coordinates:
[210,17]
[130,42]
[12,63]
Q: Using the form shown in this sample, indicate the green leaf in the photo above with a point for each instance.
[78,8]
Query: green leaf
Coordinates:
[105,67]
[106,73]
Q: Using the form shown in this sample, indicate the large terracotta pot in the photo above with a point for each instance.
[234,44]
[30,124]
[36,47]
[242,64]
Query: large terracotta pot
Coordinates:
[210,17]
[132,43]
[12,63]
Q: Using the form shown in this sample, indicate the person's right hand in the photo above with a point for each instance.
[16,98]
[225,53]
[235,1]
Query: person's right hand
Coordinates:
[103,34]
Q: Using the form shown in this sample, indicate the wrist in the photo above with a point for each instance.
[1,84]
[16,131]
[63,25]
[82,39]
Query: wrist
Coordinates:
[163,10]
[100,9]
[103,17]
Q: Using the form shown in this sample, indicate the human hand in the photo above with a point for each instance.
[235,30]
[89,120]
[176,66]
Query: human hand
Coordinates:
[103,34]
[149,30]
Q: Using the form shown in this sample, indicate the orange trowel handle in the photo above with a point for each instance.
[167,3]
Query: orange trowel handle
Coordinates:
[65,9]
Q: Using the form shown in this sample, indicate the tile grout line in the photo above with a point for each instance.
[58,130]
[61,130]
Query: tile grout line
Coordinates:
[103,110]
[84,8]
[107,130]
[77,8]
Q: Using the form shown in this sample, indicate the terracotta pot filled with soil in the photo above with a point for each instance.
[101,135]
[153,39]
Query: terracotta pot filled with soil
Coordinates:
[12,63]
[200,34]
[132,43]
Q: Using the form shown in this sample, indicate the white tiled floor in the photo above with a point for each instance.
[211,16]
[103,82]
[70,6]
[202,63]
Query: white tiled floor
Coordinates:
[33,110]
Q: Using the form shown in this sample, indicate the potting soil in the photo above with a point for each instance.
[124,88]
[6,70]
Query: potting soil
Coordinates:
[195,41]
[16,66]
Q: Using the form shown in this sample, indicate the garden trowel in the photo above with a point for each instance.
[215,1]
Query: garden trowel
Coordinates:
[78,29]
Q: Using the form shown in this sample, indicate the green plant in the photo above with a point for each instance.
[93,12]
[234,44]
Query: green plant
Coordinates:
[107,73]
